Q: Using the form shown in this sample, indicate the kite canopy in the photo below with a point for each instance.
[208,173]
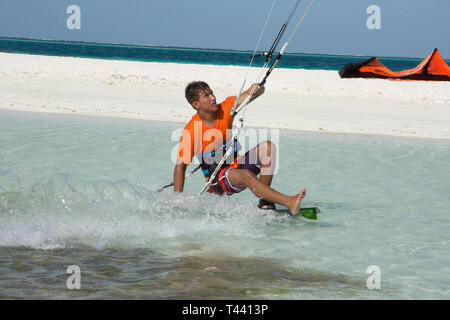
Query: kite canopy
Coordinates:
[432,67]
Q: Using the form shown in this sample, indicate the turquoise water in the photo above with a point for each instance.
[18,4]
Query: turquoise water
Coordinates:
[188,55]
[82,191]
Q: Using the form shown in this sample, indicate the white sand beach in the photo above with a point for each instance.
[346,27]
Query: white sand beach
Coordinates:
[297,99]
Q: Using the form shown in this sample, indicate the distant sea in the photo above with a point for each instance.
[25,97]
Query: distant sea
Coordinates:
[187,55]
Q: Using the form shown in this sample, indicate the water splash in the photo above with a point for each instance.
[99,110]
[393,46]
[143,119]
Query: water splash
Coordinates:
[66,212]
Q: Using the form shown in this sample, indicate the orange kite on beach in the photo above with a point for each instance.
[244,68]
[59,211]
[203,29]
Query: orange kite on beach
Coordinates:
[432,67]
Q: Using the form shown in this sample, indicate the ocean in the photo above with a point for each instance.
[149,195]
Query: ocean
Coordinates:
[81,192]
[188,55]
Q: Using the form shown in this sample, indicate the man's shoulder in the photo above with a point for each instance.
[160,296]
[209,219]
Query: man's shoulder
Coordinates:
[190,124]
[228,103]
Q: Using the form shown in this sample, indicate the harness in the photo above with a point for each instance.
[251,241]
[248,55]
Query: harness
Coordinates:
[210,161]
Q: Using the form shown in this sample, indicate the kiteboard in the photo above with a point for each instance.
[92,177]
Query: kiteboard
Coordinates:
[308,213]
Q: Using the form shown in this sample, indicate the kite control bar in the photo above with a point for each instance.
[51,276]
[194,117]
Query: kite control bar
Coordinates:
[277,40]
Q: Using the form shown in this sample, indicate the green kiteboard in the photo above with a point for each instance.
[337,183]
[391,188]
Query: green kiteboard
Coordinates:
[308,213]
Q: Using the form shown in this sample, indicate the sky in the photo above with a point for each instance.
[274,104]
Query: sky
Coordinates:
[398,28]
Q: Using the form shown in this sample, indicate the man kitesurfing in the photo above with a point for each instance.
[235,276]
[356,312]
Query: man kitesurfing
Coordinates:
[206,135]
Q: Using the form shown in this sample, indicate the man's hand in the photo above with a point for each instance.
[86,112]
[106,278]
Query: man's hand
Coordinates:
[257,91]
[212,189]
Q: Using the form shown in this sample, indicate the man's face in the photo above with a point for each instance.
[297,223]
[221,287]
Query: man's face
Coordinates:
[206,101]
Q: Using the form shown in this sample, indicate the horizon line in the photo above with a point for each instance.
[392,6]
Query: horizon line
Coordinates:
[194,48]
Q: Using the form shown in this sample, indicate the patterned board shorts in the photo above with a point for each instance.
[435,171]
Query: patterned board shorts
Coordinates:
[222,183]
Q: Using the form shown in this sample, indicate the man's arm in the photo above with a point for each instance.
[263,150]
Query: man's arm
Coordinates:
[178,176]
[256,93]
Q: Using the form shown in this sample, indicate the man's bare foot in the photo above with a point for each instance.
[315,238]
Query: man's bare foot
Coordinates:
[296,200]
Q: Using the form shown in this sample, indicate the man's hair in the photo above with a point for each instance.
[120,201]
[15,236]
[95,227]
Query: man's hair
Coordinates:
[193,89]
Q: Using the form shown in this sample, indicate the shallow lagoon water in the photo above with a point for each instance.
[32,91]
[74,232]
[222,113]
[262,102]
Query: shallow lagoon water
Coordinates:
[82,191]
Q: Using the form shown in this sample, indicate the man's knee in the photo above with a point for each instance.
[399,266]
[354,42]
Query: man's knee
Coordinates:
[266,152]
[267,145]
